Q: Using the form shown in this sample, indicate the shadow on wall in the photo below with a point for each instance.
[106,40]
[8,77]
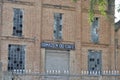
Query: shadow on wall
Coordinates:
[117,26]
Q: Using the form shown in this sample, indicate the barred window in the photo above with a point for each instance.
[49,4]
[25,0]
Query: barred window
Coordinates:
[16,57]
[57,26]
[17,22]
[94,30]
[94,61]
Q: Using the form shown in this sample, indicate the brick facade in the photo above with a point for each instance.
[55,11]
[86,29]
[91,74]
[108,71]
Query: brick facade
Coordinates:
[38,22]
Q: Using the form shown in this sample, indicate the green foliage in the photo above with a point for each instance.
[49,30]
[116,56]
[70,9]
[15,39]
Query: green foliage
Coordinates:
[101,6]
[74,0]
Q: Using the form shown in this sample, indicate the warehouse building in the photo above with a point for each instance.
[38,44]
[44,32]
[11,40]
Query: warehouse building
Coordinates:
[55,35]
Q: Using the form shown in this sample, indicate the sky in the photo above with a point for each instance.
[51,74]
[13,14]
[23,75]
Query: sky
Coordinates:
[117,14]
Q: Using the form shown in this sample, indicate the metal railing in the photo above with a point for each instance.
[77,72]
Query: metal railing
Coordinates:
[84,75]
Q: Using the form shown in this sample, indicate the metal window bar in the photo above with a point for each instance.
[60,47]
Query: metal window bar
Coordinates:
[94,62]
[58,26]
[94,30]
[18,18]
[16,58]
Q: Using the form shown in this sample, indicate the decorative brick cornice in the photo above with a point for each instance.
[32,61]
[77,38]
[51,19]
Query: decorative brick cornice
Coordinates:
[18,2]
[85,10]
[95,45]
[12,38]
[59,7]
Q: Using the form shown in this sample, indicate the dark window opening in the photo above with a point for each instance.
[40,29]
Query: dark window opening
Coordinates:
[95,30]
[16,57]
[94,61]
[91,59]
[17,22]
[92,68]
[58,26]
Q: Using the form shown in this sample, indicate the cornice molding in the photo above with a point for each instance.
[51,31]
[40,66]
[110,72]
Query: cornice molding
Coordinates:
[18,2]
[85,10]
[12,38]
[58,7]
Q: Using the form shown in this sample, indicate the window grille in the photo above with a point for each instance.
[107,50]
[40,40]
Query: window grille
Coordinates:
[94,61]
[58,26]
[94,30]
[16,57]
[17,22]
